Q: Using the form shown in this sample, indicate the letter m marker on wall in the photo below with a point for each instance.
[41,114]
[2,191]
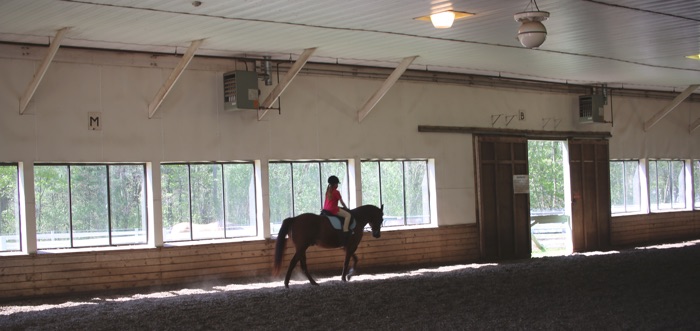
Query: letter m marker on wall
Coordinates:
[94,121]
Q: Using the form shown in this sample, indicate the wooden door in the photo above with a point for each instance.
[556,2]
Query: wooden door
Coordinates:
[589,162]
[503,212]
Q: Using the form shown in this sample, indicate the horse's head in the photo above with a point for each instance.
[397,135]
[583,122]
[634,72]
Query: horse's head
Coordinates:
[376,218]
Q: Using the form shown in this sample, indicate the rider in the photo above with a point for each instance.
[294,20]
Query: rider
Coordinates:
[331,202]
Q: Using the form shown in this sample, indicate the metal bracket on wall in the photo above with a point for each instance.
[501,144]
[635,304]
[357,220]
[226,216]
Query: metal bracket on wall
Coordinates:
[555,121]
[506,119]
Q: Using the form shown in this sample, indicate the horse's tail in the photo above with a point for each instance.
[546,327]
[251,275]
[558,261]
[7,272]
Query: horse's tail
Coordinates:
[281,244]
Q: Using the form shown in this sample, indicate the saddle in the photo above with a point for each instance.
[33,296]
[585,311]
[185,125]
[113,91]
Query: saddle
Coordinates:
[337,221]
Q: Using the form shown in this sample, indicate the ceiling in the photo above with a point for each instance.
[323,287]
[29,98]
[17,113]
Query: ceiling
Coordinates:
[638,44]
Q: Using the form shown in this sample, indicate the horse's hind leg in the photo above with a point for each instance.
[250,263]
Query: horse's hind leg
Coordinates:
[306,271]
[292,264]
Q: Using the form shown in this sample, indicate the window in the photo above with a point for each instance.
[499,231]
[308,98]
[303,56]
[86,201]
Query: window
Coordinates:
[403,188]
[625,193]
[666,185]
[696,183]
[90,205]
[208,201]
[299,187]
[9,208]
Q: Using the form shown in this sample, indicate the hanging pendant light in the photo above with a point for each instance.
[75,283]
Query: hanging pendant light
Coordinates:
[532,32]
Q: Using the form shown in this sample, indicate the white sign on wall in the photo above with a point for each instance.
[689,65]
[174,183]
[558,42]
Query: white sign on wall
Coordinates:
[521,184]
[95,121]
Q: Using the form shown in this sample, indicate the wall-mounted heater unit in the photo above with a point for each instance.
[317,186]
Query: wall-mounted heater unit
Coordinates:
[590,108]
[241,90]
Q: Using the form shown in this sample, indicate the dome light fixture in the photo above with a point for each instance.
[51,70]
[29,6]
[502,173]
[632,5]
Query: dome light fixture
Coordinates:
[532,32]
[444,19]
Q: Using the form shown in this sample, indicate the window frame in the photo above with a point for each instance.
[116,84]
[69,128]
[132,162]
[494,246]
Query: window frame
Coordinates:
[640,187]
[256,230]
[110,221]
[18,224]
[345,187]
[431,215]
[654,181]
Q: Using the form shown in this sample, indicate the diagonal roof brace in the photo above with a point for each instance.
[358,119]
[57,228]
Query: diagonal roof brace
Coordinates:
[277,91]
[174,76]
[41,71]
[694,125]
[388,83]
[677,101]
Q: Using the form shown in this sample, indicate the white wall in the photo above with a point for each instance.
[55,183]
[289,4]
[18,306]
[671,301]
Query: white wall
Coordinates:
[669,138]
[318,119]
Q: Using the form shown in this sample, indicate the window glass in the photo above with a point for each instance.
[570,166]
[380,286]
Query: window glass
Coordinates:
[370,184]
[625,194]
[696,182]
[417,196]
[89,214]
[206,189]
[239,194]
[666,185]
[52,203]
[208,201]
[281,197]
[128,204]
[392,192]
[9,209]
[90,205]
[175,197]
[307,188]
[401,186]
[298,187]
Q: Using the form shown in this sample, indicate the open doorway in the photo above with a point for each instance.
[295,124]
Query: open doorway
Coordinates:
[550,208]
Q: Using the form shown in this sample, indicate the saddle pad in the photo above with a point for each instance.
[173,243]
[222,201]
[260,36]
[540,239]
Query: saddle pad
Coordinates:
[336,222]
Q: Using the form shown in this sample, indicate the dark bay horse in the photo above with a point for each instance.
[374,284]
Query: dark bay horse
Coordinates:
[307,230]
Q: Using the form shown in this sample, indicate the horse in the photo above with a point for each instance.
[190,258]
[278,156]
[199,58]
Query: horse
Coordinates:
[311,229]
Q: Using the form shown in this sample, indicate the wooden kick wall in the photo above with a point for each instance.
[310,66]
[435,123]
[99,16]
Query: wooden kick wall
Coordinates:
[47,274]
[654,228]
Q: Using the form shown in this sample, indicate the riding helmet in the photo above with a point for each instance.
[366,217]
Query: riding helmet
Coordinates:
[333,180]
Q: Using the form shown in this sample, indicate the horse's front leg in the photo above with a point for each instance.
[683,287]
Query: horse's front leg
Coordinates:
[351,272]
[306,271]
[348,254]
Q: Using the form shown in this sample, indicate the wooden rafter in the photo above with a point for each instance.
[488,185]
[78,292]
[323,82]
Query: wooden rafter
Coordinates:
[388,83]
[277,91]
[41,71]
[677,101]
[174,76]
